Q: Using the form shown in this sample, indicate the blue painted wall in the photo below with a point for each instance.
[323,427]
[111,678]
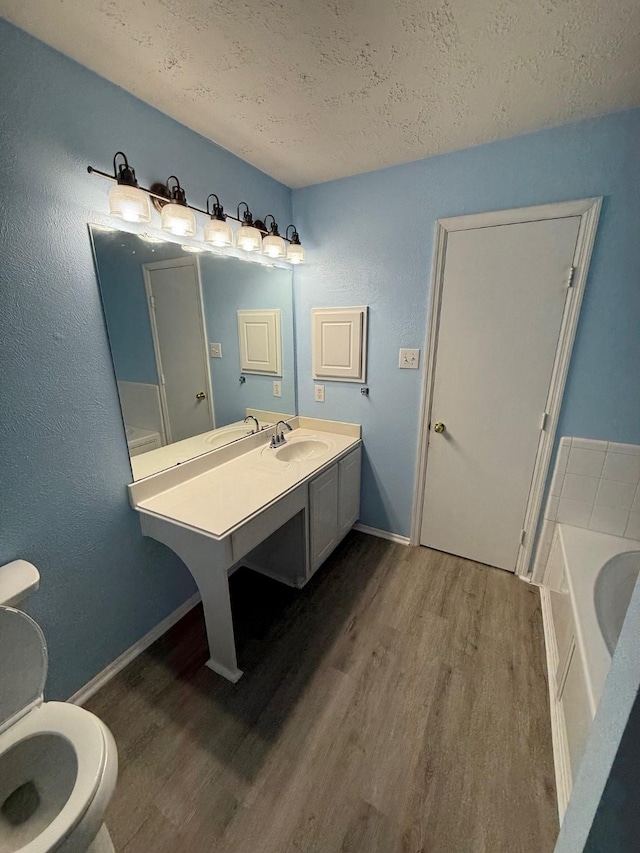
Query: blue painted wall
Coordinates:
[64,464]
[370,241]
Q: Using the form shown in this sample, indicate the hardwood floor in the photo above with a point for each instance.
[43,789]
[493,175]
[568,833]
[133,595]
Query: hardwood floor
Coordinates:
[397,704]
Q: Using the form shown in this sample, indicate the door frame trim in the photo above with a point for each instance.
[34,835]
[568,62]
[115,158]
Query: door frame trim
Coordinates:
[589,212]
[166,264]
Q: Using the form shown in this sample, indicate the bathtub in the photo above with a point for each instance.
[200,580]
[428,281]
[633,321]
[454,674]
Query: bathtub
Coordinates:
[587,586]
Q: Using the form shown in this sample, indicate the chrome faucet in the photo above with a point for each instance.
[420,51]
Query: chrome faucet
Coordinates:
[253,418]
[278,439]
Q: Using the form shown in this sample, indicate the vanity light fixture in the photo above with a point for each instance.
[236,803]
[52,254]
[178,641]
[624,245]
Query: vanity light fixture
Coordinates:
[217,231]
[177,217]
[248,237]
[295,253]
[131,202]
[272,244]
[126,199]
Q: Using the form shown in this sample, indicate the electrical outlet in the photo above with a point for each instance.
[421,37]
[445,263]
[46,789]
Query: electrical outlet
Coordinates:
[319,394]
[277,388]
[409,358]
[215,350]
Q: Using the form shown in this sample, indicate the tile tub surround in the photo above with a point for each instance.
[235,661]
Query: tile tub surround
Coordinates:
[595,485]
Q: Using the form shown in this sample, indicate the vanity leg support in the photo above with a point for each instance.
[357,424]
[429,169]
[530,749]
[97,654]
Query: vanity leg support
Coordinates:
[216,602]
[209,562]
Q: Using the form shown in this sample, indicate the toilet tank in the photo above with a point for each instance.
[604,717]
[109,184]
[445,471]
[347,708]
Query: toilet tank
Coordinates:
[17,581]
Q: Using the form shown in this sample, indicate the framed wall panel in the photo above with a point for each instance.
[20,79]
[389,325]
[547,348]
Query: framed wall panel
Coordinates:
[339,343]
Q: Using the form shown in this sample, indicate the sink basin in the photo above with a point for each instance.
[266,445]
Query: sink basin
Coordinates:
[301,449]
[226,434]
[612,594]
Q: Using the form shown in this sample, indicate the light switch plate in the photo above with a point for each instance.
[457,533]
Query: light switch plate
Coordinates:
[215,350]
[277,388]
[409,358]
[319,394]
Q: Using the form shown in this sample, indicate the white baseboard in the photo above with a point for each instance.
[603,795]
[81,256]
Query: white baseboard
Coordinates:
[382,534]
[561,761]
[98,681]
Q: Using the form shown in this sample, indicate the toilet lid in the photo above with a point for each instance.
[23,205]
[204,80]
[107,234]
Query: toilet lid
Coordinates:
[23,665]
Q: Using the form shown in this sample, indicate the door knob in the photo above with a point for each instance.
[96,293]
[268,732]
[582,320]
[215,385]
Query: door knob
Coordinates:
[200,395]
[439,427]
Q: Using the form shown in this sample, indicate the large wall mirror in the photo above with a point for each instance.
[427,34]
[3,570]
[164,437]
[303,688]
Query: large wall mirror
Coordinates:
[200,342]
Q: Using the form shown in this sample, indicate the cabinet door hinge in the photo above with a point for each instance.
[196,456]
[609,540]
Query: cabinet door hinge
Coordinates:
[544,420]
[572,272]
[523,536]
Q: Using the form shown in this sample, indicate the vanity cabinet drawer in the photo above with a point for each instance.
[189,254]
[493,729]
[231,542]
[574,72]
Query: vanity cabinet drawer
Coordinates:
[251,534]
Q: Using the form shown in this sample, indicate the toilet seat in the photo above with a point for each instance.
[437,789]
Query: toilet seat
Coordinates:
[85,734]
[24,716]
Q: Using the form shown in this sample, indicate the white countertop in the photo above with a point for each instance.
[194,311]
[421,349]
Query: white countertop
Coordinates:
[220,499]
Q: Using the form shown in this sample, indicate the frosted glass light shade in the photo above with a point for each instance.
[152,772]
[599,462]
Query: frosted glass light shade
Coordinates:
[273,246]
[218,233]
[248,238]
[178,219]
[295,253]
[129,203]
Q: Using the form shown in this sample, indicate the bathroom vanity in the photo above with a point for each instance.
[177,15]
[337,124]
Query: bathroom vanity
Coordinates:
[279,510]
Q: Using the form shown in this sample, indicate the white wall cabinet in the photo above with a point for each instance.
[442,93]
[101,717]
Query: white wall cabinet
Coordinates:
[260,342]
[339,343]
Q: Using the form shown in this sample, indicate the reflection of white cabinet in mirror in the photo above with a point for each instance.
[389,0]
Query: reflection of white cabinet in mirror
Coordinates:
[249,505]
[260,342]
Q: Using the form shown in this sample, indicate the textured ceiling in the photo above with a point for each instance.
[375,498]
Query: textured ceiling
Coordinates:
[309,91]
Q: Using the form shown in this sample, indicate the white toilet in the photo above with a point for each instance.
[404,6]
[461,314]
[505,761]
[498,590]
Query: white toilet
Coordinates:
[58,762]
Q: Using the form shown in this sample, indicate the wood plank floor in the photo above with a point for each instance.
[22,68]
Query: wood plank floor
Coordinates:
[397,704]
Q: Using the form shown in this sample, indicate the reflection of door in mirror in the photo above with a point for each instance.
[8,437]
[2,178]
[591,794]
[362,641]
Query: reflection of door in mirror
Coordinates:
[186,384]
[175,307]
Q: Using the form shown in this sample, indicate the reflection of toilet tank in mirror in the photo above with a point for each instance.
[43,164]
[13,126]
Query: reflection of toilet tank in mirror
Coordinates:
[163,308]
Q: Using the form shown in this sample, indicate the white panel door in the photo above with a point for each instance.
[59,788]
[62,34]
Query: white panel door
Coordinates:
[175,305]
[323,516]
[503,298]
[348,492]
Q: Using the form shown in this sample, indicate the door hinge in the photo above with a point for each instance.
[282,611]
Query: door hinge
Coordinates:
[162,379]
[544,420]
[572,272]
[523,536]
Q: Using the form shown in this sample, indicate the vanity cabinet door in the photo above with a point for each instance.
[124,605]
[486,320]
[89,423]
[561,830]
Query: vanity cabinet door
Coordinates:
[323,516]
[348,492]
